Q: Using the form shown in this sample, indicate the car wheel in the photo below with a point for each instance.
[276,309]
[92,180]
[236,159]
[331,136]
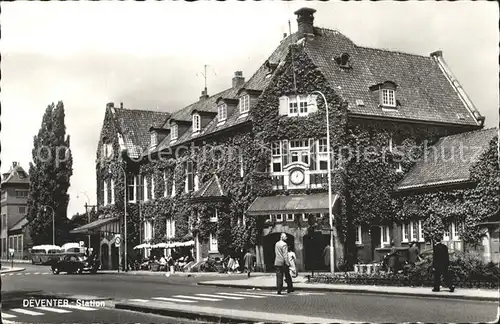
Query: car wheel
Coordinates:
[55,271]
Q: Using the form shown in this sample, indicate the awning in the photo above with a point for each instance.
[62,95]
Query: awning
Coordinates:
[109,224]
[292,204]
[172,245]
[142,246]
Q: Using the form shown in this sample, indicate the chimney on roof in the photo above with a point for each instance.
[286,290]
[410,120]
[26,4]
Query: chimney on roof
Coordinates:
[305,19]
[121,105]
[238,79]
[110,105]
[437,54]
[204,94]
[14,164]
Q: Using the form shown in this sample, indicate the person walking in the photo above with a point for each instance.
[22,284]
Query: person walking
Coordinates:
[292,258]
[326,256]
[413,254]
[248,262]
[282,264]
[393,258]
[440,264]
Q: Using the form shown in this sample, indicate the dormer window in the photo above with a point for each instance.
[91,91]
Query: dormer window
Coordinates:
[154,139]
[222,112]
[107,149]
[388,97]
[343,61]
[244,104]
[174,132]
[196,123]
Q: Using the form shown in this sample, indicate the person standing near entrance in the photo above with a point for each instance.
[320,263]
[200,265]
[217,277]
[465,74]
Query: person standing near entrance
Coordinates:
[440,264]
[282,264]
[248,262]
[413,253]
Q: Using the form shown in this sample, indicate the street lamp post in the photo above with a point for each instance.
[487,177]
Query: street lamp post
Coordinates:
[332,250]
[86,211]
[53,224]
[125,212]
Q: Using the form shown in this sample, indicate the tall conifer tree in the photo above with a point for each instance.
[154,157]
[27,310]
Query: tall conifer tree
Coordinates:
[50,173]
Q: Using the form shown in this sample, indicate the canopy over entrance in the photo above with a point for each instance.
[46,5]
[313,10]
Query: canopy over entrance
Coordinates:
[292,204]
[108,225]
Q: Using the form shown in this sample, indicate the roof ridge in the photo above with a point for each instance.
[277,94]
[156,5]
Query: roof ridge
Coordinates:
[391,51]
[143,110]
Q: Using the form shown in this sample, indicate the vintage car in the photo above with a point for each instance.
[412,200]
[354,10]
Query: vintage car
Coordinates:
[75,263]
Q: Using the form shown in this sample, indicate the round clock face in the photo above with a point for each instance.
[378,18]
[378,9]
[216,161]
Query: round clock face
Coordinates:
[297,177]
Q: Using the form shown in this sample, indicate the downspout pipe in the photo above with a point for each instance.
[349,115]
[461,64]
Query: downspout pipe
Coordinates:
[438,57]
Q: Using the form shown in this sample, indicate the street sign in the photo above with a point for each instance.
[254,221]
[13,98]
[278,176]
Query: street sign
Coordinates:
[82,243]
[118,241]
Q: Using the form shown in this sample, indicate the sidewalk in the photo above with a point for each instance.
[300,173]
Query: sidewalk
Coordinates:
[5,261]
[300,283]
[218,315]
[9,270]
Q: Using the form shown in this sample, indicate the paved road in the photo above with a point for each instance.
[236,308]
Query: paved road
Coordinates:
[183,290]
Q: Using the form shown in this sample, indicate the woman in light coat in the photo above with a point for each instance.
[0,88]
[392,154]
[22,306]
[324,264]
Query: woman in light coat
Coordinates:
[292,258]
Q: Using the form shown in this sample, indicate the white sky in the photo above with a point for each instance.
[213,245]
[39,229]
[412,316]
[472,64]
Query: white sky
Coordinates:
[148,54]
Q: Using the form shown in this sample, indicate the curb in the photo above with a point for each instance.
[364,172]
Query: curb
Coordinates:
[361,291]
[11,270]
[183,314]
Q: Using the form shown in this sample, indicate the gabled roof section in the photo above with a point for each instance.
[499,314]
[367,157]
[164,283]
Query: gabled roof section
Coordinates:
[16,175]
[449,161]
[19,225]
[210,189]
[424,91]
[134,125]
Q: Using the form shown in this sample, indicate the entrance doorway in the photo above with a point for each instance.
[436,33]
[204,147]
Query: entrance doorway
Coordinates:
[314,246]
[375,237]
[114,257]
[104,256]
[268,246]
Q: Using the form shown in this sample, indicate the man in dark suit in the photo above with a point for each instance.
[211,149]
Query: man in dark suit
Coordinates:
[282,264]
[440,264]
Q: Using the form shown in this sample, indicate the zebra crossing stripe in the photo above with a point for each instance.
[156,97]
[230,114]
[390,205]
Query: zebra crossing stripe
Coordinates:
[37,273]
[240,295]
[79,307]
[219,296]
[138,300]
[174,300]
[5,315]
[19,274]
[54,310]
[25,311]
[262,294]
[197,298]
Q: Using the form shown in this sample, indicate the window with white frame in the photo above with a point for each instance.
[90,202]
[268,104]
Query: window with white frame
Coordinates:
[299,151]
[148,230]
[196,123]
[416,231]
[269,218]
[152,187]
[139,184]
[279,217]
[165,191]
[359,239]
[276,157]
[451,231]
[221,112]
[297,105]
[447,232]
[130,187]
[107,149]
[454,231]
[105,191]
[385,238]
[240,160]
[290,217]
[112,191]
[389,97]
[147,188]
[213,243]
[322,154]
[405,232]
[170,228]
[305,217]
[154,139]
[189,176]
[174,132]
[244,104]
[214,215]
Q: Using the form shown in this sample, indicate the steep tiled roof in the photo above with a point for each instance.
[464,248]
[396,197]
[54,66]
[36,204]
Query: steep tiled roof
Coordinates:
[422,89]
[19,225]
[16,175]
[445,163]
[134,126]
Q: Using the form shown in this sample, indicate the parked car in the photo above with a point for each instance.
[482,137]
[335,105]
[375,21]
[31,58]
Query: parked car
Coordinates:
[73,263]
